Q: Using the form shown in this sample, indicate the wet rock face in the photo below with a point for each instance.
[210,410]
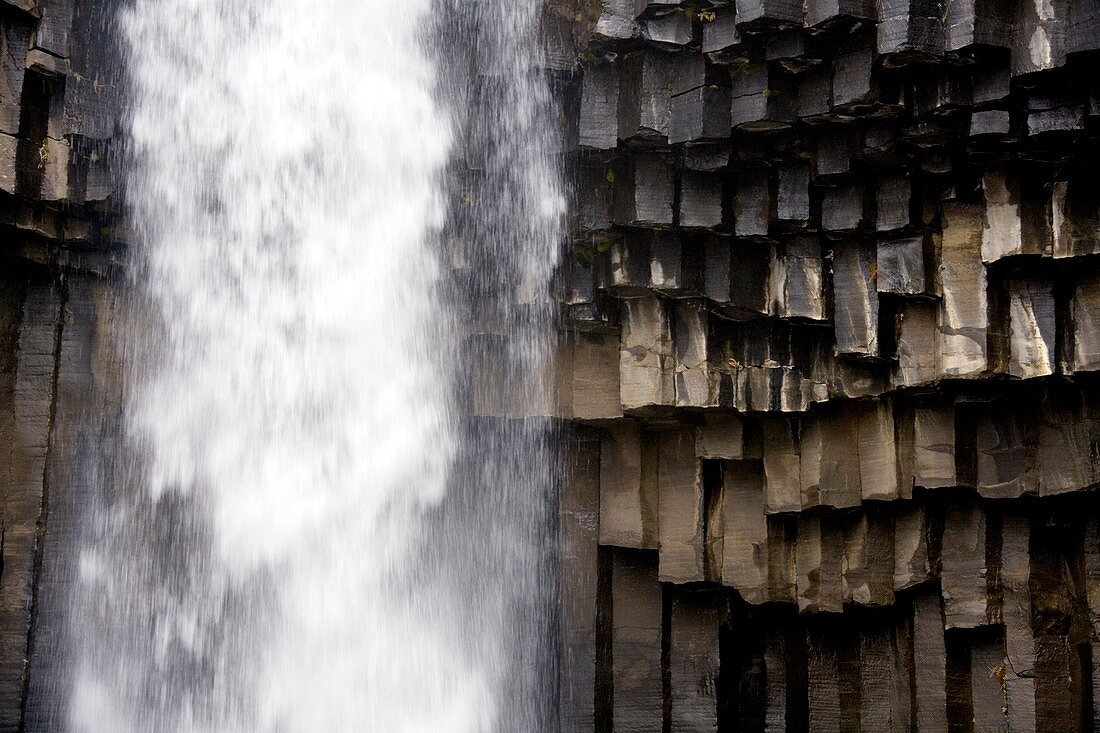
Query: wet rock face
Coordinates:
[59,103]
[830,337]
[847,455]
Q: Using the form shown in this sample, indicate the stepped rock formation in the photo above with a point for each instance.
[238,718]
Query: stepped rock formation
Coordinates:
[829,352]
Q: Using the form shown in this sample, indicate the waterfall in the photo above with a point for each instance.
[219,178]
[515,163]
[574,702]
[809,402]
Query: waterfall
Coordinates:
[314,521]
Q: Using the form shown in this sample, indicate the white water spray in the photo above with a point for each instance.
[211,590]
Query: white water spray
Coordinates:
[274,557]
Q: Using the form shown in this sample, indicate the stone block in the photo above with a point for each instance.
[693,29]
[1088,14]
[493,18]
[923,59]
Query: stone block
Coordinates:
[987,688]
[892,198]
[854,85]
[796,284]
[1019,664]
[934,447]
[1075,217]
[971,23]
[782,562]
[15,37]
[1067,432]
[599,111]
[900,266]
[646,191]
[964,319]
[691,373]
[721,34]
[856,303]
[883,685]
[580,522]
[594,195]
[54,156]
[912,564]
[745,557]
[1085,318]
[645,95]
[752,205]
[868,564]
[1007,451]
[782,467]
[877,451]
[617,21]
[595,379]
[1031,328]
[760,99]
[628,487]
[1002,228]
[671,29]
[768,13]
[681,509]
[700,115]
[722,436]
[645,355]
[824,693]
[820,564]
[819,12]
[700,201]
[964,570]
[8,152]
[637,603]
[693,659]
[793,196]
[842,208]
[916,335]
[28,418]
[830,467]
[929,662]
[1039,40]
[910,26]
[53,32]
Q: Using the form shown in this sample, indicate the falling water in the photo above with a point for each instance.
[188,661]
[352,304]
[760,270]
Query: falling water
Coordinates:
[345,214]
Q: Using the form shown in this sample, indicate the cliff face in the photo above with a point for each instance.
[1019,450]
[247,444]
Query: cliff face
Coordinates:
[58,202]
[831,341]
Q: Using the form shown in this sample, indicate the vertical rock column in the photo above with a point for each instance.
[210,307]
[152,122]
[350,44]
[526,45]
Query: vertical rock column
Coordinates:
[694,660]
[637,606]
[579,535]
[27,417]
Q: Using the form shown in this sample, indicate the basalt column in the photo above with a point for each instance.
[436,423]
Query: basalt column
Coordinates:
[829,320]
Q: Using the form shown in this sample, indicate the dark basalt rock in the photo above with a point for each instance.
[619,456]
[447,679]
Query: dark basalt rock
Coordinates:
[888,519]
